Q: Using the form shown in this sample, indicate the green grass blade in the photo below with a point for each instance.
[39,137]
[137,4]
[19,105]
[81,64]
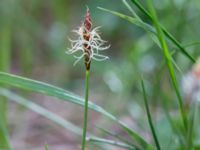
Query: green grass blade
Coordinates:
[61,94]
[195,43]
[149,116]
[117,136]
[5,38]
[130,9]
[176,66]
[5,48]
[46,147]
[190,139]
[40,110]
[4,139]
[135,21]
[167,34]
[169,62]
[51,116]
[110,142]
[85,110]
[44,88]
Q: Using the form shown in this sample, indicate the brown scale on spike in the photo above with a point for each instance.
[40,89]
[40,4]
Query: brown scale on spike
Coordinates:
[89,43]
[86,35]
[87,21]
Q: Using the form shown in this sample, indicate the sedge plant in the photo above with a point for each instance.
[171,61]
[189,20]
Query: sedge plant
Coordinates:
[5,50]
[89,43]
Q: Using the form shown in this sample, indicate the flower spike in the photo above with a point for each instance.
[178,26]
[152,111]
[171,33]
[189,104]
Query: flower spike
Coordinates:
[89,43]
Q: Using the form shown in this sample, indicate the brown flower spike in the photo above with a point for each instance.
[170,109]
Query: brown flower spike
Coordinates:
[86,36]
[89,43]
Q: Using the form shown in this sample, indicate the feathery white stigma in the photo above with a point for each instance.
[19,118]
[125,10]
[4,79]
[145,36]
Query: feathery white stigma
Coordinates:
[89,43]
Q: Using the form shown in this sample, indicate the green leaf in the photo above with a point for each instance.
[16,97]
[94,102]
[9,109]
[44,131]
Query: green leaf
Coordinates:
[135,21]
[149,116]
[4,139]
[61,94]
[5,49]
[46,147]
[55,118]
[168,61]
[117,136]
[166,33]
[110,142]
[40,110]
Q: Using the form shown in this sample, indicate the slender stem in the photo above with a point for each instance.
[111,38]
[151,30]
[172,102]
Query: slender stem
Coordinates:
[191,126]
[46,147]
[169,35]
[168,61]
[149,117]
[85,109]
[5,49]
[111,142]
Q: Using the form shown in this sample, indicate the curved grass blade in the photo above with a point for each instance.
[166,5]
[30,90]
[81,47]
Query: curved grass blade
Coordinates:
[149,116]
[117,136]
[51,116]
[194,112]
[46,147]
[167,34]
[196,43]
[169,63]
[40,110]
[5,144]
[135,21]
[61,94]
[5,53]
[130,9]
[110,142]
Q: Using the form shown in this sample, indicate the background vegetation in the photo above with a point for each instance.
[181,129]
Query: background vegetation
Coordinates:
[33,40]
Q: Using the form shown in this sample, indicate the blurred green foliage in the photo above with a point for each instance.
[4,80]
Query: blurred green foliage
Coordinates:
[34,37]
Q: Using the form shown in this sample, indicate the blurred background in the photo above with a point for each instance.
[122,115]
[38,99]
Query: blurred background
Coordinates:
[33,40]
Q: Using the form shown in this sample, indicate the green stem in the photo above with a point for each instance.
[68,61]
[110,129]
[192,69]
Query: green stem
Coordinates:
[111,142]
[194,109]
[85,109]
[5,49]
[149,117]
[168,61]
[149,15]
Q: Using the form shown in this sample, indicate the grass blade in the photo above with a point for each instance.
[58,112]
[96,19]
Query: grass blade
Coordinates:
[4,139]
[168,61]
[194,112]
[4,66]
[149,116]
[110,142]
[46,147]
[131,10]
[53,117]
[167,34]
[117,136]
[135,21]
[85,109]
[61,94]
[40,110]
[196,43]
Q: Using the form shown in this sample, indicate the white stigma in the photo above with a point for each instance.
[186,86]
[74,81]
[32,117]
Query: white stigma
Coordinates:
[95,43]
